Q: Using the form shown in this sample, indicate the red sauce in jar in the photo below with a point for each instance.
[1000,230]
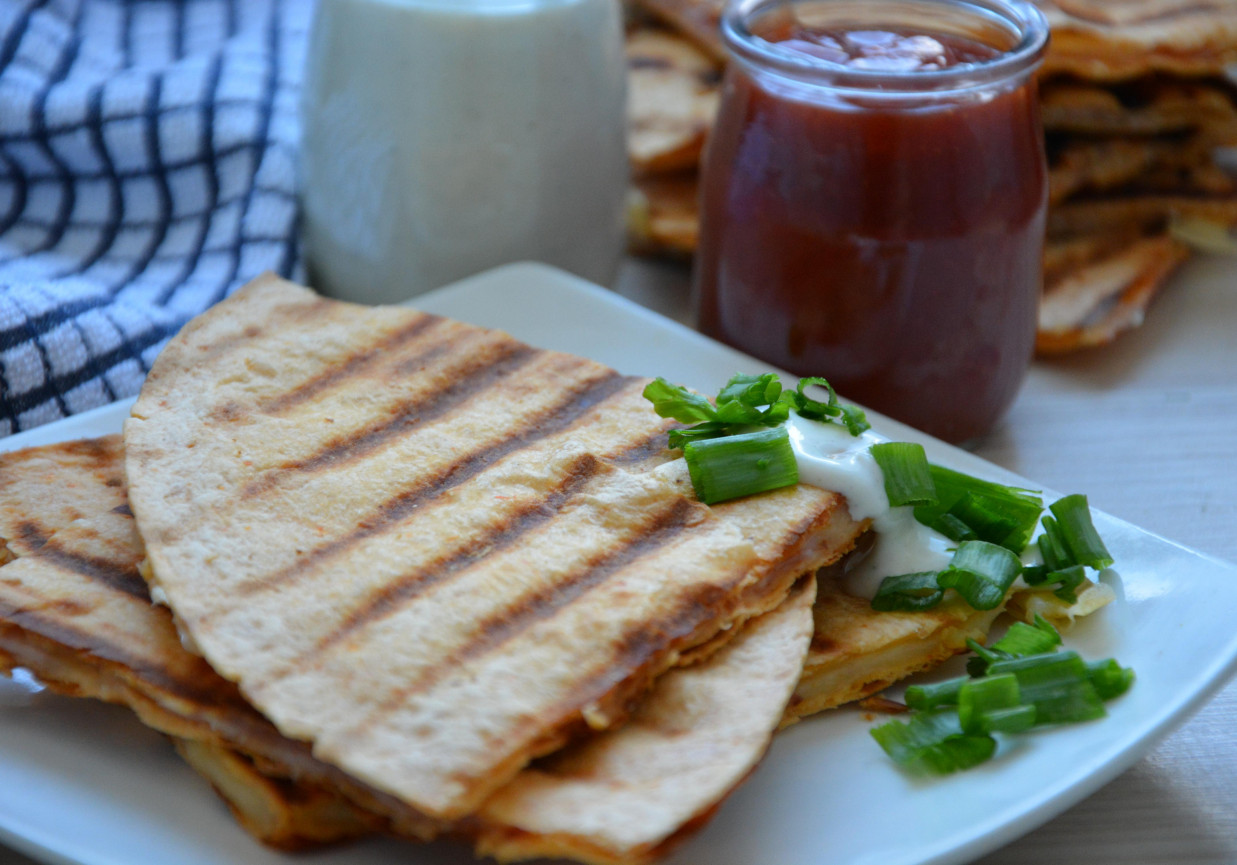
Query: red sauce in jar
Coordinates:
[893,248]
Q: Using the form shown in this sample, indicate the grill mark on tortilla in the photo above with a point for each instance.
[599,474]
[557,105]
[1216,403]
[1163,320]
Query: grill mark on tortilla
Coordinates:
[699,604]
[350,366]
[31,533]
[483,371]
[99,451]
[652,451]
[116,575]
[391,597]
[494,631]
[122,578]
[98,455]
[281,314]
[395,509]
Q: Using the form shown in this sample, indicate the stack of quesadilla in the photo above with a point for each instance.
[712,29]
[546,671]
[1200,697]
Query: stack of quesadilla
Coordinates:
[1137,111]
[76,613]
[374,465]
[387,537]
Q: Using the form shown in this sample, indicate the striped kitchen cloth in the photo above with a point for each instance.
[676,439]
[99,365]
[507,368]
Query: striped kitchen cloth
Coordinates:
[147,169]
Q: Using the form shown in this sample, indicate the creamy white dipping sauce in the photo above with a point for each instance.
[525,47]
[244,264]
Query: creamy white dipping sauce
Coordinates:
[831,458]
[445,137]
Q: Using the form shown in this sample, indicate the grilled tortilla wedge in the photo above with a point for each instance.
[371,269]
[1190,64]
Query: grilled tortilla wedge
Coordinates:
[75,612]
[429,549]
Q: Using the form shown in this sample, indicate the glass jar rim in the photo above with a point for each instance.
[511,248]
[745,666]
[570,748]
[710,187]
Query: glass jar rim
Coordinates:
[1027,22]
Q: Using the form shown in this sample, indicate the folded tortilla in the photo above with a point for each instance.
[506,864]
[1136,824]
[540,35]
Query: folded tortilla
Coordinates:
[74,611]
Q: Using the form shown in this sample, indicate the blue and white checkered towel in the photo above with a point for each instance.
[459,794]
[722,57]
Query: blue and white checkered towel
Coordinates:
[147,169]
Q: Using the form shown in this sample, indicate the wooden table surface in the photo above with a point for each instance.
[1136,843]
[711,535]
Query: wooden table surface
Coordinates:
[1148,429]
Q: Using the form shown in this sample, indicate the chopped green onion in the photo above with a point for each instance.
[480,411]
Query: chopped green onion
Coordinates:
[993,702]
[1079,534]
[934,741]
[1009,514]
[810,408]
[855,421]
[1019,682]
[746,401]
[1034,575]
[954,528]
[1015,719]
[918,591]
[1109,678]
[710,430]
[1052,547]
[1022,639]
[989,523]
[674,401]
[936,694]
[849,416]
[981,573]
[1058,685]
[907,478]
[751,390]
[740,465]
[984,658]
[1070,579]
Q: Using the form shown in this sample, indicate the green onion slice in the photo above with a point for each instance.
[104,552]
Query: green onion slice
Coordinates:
[1034,575]
[993,704]
[981,573]
[751,390]
[954,528]
[855,421]
[984,658]
[1052,547]
[740,465]
[1006,515]
[744,402]
[1068,579]
[677,402]
[908,481]
[1109,678]
[1079,534]
[918,591]
[935,694]
[1022,639]
[934,742]
[1058,685]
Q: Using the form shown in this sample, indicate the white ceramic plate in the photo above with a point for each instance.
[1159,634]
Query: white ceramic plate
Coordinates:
[85,783]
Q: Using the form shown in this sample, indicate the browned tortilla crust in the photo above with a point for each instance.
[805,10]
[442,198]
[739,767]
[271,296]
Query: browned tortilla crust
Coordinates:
[424,477]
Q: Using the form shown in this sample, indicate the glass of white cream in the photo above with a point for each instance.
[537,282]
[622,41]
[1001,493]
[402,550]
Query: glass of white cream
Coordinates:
[445,137]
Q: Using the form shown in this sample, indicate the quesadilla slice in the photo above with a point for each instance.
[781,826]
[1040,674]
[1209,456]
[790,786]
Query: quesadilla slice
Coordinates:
[698,20]
[1111,40]
[633,792]
[1142,108]
[857,651]
[76,613]
[663,214]
[1095,301]
[631,795]
[672,96]
[429,549]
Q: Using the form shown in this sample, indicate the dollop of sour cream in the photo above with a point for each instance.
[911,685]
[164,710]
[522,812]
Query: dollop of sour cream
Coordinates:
[831,458]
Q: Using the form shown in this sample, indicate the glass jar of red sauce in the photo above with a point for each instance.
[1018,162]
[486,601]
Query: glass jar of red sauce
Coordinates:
[873,199]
